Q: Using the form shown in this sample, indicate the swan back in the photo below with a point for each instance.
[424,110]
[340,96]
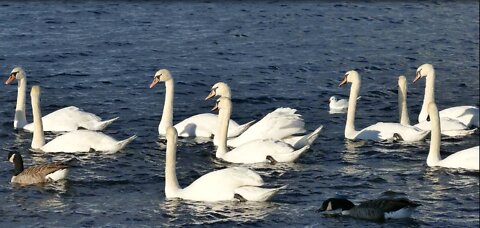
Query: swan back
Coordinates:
[281,123]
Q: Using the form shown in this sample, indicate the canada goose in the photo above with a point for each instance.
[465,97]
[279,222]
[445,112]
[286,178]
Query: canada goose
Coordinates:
[379,209]
[36,174]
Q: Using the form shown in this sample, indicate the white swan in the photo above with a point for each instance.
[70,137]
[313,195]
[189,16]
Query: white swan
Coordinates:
[201,125]
[221,185]
[379,131]
[73,141]
[468,115]
[281,124]
[466,159]
[254,151]
[66,119]
[450,127]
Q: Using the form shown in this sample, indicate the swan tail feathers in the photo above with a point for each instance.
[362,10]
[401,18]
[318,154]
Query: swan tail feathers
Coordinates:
[308,140]
[242,128]
[251,193]
[459,133]
[102,125]
[290,157]
[123,143]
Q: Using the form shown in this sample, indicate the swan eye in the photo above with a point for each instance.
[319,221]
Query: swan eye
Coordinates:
[428,118]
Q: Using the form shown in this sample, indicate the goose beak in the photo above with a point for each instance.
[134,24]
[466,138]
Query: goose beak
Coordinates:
[154,82]
[210,95]
[215,107]
[344,81]
[10,79]
[417,77]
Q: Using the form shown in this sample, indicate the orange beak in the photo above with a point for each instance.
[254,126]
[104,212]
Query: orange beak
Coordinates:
[10,79]
[417,77]
[154,82]
[344,81]
[215,107]
[211,94]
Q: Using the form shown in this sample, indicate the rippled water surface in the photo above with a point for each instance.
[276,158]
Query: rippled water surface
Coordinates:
[101,56]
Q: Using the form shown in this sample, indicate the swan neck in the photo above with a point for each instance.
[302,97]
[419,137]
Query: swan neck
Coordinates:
[167,115]
[352,105]
[223,122]
[20,118]
[38,136]
[171,182]
[435,137]
[402,105]
[429,95]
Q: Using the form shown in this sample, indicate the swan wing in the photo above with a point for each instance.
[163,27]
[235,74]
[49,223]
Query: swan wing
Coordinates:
[80,141]
[66,119]
[258,150]
[467,159]
[468,115]
[385,131]
[220,185]
[203,125]
[281,123]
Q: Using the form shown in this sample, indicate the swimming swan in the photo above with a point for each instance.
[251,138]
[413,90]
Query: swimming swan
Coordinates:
[466,159]
[201,125]
[379,131]
[227,184]
[73,141]
[468,115]
[255,151]
[281,124]
[66,119]
[450,127]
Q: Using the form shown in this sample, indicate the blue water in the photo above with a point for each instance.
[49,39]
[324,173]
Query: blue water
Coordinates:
[102,55]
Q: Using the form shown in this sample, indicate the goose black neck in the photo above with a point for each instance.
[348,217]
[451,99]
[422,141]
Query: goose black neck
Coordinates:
[18,162]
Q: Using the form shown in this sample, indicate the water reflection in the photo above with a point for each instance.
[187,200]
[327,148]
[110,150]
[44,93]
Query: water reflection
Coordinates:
[215,212]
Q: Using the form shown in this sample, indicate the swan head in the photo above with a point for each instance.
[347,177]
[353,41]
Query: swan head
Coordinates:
[35,92]
[17,73]
[423,71]
[222,103]
[351,76]
[161,75]
[336,203]
[219,89]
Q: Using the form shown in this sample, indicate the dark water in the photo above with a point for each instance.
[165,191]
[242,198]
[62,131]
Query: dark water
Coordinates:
[101,56]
